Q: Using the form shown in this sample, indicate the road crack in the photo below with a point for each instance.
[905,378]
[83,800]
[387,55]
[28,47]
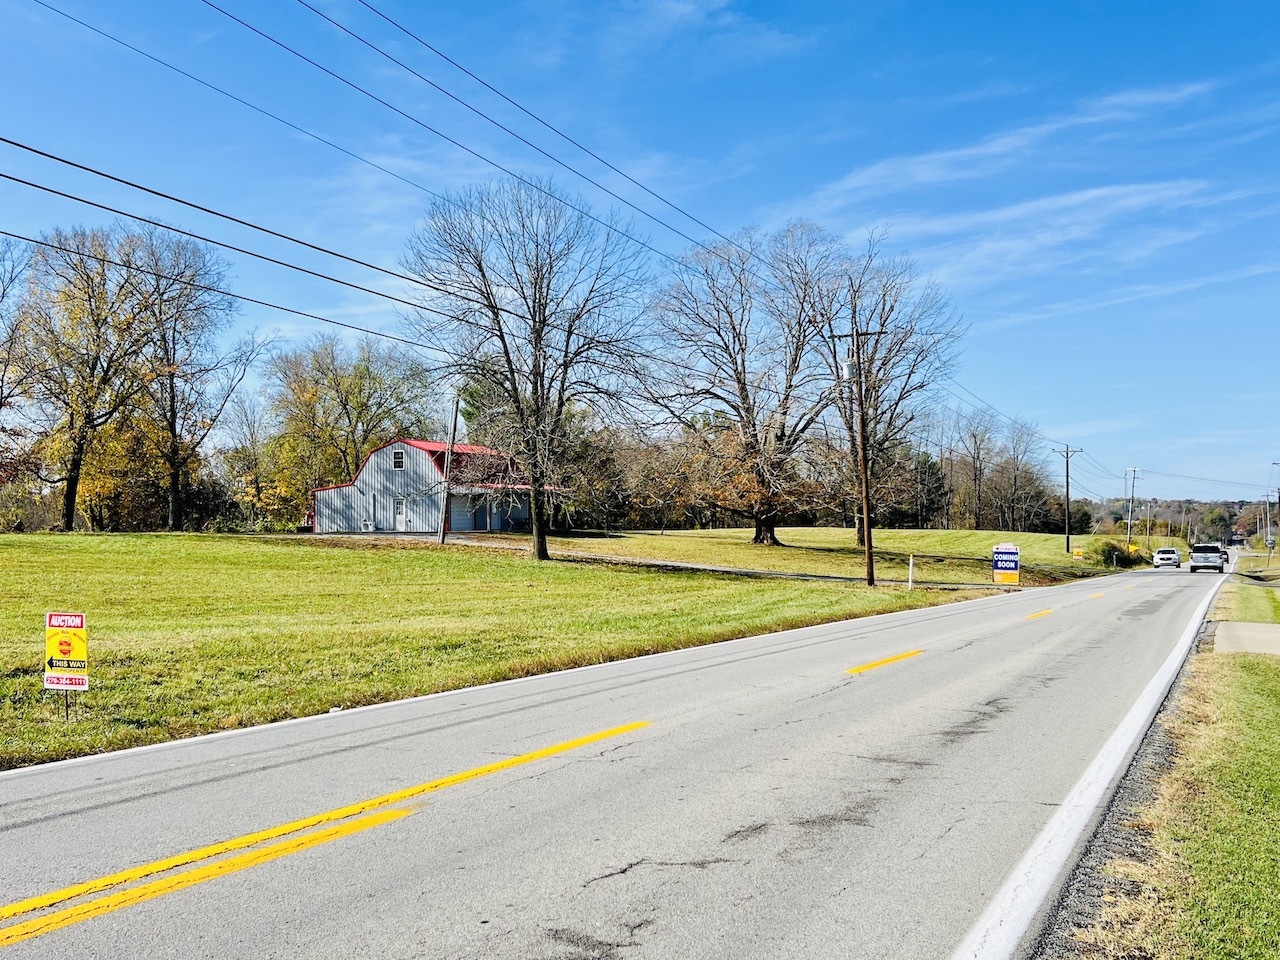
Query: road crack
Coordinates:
[646,862]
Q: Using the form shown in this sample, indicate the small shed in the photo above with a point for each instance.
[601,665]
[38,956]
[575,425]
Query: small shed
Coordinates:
[400,488]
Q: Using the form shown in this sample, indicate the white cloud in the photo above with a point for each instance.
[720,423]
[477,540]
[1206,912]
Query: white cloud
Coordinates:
[995,153]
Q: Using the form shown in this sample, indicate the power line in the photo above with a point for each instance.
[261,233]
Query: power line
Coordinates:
[1110,474]
[208,210]
[1220,483]
[512,133]
[245,103]
[613,228]
[212,289]
[218,243]
[1000,413]
[529,113]
[262,111]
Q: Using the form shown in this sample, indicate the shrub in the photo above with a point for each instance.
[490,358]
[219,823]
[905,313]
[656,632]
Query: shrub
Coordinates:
[1113,553]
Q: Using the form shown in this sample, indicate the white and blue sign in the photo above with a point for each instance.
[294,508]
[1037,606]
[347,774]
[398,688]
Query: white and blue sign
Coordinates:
[1006,562]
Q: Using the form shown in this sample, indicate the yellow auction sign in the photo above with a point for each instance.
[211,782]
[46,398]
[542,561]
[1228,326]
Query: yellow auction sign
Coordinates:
[66,652]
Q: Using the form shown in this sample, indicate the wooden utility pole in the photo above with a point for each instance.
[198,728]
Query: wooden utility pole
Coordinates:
[864,468]
[1133,488]
[1067,453]
[448,469]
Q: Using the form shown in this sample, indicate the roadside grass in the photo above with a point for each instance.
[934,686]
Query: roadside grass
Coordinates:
[1210,890]
[942,556]
[1250,597]
[1259,564]
[194,633]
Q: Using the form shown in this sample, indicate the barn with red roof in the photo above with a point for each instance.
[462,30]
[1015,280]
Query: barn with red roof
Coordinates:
[400,488]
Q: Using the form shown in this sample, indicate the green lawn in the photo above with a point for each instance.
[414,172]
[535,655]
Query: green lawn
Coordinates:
[193,633]
[831,551]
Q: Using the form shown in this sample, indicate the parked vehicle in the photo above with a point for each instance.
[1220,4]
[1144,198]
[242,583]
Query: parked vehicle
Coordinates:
[1167,557]
[1207,556]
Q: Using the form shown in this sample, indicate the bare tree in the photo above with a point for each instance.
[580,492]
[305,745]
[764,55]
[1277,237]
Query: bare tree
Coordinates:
[976,439]
[1019,479]
[537,303]
[902,336]
[739,320]
[80,335]
[190,378]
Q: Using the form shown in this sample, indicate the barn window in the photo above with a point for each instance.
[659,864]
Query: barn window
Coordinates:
[397,460]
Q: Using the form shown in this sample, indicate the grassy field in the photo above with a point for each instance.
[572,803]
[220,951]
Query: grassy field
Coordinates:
[194,633]
[831,551]
[1210,891]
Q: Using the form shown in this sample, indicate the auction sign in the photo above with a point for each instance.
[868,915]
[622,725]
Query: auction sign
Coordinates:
[66,652]
[1005,563]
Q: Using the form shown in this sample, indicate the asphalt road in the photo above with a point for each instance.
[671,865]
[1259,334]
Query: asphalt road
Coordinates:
[750,799]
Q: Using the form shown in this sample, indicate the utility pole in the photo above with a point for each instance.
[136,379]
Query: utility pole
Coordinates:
[448,469]
[864,479]
[1274,463]
[1133,487]
[1066,452]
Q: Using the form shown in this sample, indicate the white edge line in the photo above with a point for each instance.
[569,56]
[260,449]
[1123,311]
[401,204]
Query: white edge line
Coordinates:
[35,768]
[1009,914]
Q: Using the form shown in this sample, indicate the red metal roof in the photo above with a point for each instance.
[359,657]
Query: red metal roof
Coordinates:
[429,446]
[435,446]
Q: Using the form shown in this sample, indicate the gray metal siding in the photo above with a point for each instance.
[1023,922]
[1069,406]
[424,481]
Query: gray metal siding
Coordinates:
[371,497]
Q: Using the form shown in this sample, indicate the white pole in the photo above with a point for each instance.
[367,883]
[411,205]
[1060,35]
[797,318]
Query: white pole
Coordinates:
[911,571]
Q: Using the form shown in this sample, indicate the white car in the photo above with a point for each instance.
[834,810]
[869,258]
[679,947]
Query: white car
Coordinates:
[1167,557]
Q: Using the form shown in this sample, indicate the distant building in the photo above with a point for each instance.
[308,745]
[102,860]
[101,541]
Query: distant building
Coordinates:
[400,488]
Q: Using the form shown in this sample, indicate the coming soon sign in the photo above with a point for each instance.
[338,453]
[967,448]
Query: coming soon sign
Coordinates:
[66,652]
[1005,563]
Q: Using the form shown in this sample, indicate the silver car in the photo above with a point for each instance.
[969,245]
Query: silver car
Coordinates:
[1167,557]
[1207,556]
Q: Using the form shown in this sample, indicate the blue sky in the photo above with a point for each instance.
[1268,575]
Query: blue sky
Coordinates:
[1094,184]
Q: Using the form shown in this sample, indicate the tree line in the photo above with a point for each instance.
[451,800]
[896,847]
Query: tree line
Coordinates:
[763,379]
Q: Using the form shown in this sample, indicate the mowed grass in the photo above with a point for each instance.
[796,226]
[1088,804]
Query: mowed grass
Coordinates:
[195,633]
[1251,598]
[1210,891]
[942,556]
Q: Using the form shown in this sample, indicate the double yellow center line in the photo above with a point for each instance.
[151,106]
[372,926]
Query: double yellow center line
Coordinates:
[279,842]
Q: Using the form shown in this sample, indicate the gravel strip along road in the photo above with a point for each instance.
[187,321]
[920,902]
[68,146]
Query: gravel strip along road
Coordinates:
[1082,898]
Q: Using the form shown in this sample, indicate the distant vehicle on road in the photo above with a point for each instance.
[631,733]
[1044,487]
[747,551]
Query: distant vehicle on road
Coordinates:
[1167,557]
[1226,555]
[1207,556]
